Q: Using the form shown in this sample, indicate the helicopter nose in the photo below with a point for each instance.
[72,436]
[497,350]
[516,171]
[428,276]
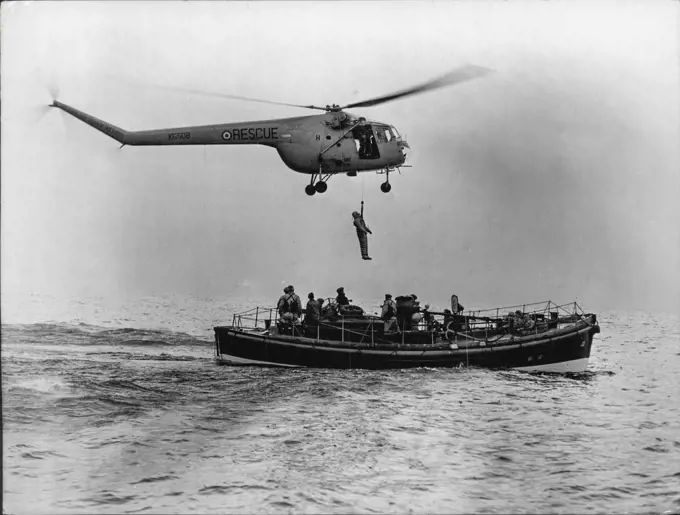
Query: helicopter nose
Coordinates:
[403,146]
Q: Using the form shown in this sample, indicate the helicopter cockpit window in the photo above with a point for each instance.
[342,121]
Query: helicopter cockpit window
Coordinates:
[382,134]
[365,141]
[395,132]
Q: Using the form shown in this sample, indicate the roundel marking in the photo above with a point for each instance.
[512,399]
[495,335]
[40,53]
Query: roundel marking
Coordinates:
[226,135]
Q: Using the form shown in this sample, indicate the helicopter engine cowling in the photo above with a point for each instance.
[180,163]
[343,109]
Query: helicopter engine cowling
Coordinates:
[339,120]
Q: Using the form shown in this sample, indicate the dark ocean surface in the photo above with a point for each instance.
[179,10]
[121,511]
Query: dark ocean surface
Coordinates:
[122,409]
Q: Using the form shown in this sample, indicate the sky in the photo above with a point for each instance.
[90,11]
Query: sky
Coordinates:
[556,177]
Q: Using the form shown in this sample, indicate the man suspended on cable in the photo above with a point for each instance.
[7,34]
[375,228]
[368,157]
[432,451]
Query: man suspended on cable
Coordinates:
[362,231]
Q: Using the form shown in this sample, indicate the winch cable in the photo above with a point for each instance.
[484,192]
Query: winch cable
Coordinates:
[362,196]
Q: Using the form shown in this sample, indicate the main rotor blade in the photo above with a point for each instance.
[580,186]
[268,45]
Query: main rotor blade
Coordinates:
[462,74]
[234,97]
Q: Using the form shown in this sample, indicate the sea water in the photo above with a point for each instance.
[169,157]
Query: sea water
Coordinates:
[121,408]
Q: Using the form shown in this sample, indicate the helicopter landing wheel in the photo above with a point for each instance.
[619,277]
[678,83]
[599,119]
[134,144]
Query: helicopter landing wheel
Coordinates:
[321,186]
[385,187]
[310,189]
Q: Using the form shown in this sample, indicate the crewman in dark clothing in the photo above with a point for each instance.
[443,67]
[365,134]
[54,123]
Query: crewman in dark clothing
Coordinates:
[342,299]
[289,305]
[313,311]
[362,233]
[389,313]
[282,305]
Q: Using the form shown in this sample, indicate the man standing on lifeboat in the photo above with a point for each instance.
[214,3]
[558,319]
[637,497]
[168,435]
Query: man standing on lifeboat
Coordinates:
[389,314]
[313,311]
[289,305]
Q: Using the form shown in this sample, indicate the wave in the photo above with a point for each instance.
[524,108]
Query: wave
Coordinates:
[87,334]
[53,385]
[155,479]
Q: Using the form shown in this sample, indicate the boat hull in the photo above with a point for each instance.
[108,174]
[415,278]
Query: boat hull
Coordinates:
[573,366]
[558,350]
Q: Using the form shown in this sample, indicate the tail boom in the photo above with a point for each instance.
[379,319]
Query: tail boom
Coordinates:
[266,132]
[110,130]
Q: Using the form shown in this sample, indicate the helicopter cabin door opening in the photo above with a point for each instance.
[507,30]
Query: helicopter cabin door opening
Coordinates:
[365,142]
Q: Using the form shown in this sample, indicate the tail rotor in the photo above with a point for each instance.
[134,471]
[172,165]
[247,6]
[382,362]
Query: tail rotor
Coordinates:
[53,90]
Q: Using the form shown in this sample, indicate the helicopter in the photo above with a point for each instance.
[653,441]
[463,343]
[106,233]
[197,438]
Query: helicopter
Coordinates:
[320,145]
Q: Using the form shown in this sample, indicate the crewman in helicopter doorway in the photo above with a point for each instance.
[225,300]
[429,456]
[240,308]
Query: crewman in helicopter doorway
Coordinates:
[362,232]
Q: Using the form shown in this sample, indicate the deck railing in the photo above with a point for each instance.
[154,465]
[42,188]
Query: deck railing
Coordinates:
[259,317]
[532,318]
[263,318]
[469,325]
